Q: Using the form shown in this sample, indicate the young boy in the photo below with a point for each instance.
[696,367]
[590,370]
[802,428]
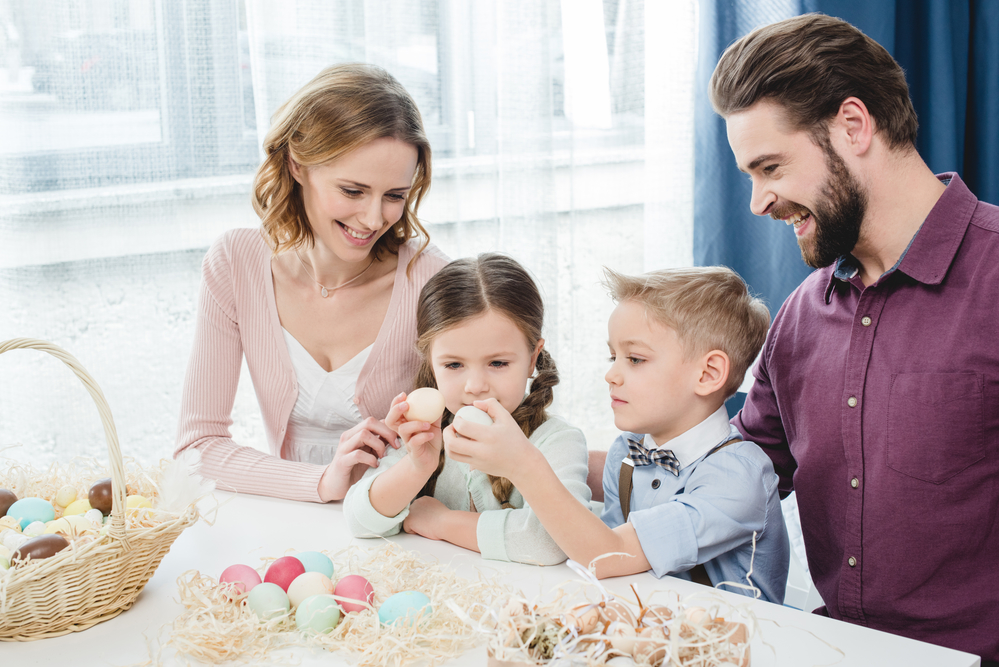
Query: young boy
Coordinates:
[680,343]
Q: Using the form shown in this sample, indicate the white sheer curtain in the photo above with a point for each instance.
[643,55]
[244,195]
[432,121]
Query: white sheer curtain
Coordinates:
[129,132]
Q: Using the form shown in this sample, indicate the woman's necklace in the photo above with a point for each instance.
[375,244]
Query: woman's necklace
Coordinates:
[322,288]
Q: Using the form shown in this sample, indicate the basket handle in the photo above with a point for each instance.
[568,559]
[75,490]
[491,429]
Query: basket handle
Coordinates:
[117,530]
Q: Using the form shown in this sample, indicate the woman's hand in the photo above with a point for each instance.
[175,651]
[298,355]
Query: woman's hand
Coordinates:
[425,518]
[423,440]
[499,449]
[360,448]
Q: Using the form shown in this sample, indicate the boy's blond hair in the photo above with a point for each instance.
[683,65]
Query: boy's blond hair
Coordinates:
[709,308]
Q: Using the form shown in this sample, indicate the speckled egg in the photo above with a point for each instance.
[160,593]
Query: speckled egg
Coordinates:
[315,561]
[318,614]
[406,607]
[29,510]
[268,601]
[65,496]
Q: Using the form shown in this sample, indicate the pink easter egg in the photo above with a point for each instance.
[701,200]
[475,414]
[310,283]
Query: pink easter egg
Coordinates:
[283,571]
[242,577]
[354,587]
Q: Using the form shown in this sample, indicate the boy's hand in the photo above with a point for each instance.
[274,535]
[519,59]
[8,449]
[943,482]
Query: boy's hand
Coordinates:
[423,440]
[425,517]
[499,449]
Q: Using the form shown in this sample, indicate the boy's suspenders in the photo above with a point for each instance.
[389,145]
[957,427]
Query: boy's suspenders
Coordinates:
[697,574]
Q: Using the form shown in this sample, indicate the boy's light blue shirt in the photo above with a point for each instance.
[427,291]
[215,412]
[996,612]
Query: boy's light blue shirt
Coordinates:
[709,512]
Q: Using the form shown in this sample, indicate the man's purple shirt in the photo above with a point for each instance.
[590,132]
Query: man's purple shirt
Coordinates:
[879,407]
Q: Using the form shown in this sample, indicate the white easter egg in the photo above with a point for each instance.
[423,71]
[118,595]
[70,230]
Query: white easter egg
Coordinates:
[426,404]
[308,584]
[473,414]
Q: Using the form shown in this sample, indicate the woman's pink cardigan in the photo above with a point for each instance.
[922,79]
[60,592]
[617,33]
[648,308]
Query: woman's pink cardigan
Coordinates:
[237,316]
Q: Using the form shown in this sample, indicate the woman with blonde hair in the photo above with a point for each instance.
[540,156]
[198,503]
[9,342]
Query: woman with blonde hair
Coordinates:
[321,299]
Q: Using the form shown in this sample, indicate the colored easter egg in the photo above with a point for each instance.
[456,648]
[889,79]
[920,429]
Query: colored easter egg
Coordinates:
[354,587]
[268,601]
[4,563]
[78,506]
[9,522]
[426,404]
[308,584]
[34,529]
[318,614]
[65,496]
[242,577]
[29,510]
[38,548]
[7,498]
[406,607]
[137,502]
[283,571]
[100,495]
[315,561]
[12,539]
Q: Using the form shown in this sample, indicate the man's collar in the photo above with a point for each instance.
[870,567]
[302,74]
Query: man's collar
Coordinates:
[932,250]
[694,443]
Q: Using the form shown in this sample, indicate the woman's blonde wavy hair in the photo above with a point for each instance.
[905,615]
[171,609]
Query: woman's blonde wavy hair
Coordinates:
[342,108]
[470,287]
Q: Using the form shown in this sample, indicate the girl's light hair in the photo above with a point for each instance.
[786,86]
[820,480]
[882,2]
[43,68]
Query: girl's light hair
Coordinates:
[709,308]
[470,287]
[342,108]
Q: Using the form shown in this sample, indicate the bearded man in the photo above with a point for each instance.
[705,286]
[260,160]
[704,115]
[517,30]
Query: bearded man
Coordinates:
[877,391]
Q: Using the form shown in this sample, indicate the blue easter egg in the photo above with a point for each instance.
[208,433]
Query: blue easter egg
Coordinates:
[28,510]
[407,606]
[316,562]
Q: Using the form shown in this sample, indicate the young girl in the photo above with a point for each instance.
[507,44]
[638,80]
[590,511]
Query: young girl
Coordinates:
[479,337]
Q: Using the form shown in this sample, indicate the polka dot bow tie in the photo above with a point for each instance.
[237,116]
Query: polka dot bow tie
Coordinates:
[663,458]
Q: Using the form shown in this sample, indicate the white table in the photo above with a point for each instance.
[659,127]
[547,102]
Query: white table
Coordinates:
[250,527]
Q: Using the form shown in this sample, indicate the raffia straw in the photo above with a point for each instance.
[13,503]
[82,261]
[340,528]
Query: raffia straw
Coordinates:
[215,630]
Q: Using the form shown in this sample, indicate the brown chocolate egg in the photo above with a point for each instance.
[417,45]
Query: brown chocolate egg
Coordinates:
[37,548]
[100,495]
[7,498]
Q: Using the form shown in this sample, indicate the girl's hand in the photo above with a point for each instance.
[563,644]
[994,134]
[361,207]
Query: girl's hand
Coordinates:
[499,449]
[359,449]
[423,440]
[425,517]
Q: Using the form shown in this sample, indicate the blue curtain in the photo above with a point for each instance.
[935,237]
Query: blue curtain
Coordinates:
[950,53]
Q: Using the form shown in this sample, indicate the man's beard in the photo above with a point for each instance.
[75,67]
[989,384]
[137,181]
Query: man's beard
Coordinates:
[837,216]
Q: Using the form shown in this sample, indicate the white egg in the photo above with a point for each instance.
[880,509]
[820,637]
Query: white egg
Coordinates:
[426,404]
[95,517]
[473,414]
[34,529]
[308,584]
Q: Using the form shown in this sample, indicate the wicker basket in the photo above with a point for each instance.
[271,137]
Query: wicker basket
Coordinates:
[81,587]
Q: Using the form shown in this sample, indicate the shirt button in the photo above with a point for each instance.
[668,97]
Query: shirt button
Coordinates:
[852,401]
[854,482]
[852,561]
[866,321]
[656,484]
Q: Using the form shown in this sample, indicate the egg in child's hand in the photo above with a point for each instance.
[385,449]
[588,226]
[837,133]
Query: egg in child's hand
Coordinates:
[283,571]
[242,577]
[407,606]
[354,587]
[318,614]
[473,414]
[426,404]
[268,601]
[308,584]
